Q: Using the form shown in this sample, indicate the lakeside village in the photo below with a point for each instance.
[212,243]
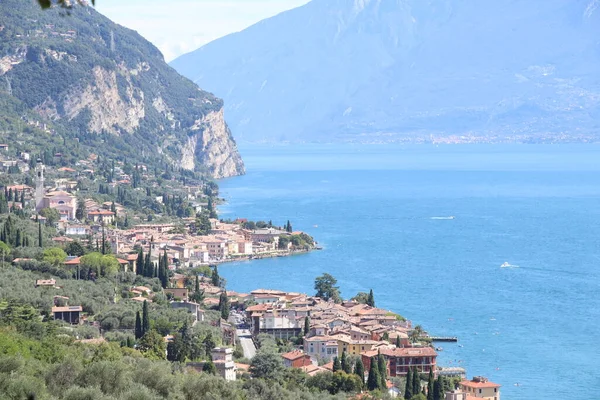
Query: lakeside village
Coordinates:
[341,346]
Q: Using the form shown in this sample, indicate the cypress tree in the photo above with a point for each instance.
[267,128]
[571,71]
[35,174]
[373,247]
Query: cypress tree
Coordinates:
[40,241]
[138,326]
[197,285]
[398,344]
[18,238]
[359,369]
[23,199]
[306,325]
[224,305]
[336,364]
[215,278]
[139,264]
[145,318]
[165,280]
[408,393]
[382,366]
[103,240]
[416,388]
[438,388]
[430,383]
[373,381]
[346,366]
[148,267]
[371,299]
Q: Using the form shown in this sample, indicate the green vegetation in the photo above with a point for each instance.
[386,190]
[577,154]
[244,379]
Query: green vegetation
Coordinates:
[61,57]
[300,241]
[326,289]
[374,380]
[365,298]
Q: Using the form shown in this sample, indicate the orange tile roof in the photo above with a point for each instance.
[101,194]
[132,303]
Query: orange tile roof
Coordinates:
[75,261]
[293,355]
[478,385]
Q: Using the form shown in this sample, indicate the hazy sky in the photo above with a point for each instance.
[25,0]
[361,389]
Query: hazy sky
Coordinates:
[180,26]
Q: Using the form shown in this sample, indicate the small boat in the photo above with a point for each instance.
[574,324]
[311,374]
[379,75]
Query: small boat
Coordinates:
[505,265]
[439,349]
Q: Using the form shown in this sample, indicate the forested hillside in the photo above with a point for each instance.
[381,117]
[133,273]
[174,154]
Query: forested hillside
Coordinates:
[93,85]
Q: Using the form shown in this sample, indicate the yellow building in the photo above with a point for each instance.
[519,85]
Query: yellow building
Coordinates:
[352,346]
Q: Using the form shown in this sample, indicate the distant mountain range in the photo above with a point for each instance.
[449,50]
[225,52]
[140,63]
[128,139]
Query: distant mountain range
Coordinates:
[387,70]
[78,83]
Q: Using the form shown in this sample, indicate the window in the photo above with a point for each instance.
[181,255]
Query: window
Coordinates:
[479,391]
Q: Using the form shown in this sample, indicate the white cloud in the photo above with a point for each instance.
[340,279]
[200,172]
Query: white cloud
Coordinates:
[179,26]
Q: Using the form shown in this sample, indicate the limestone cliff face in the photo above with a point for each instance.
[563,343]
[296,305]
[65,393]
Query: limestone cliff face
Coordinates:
[109,111]
[216,147]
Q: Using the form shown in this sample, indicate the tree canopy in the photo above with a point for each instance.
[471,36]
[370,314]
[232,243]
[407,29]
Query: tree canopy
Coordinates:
[326,289]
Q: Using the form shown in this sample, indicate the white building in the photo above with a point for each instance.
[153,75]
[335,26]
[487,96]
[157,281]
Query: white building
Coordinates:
[223,360]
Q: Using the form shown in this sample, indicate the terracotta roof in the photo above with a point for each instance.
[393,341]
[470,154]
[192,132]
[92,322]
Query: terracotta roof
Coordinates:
[312,369]
[328,366]
[75,261]
[293,355]
[477,385]
[101,212]
[258,307]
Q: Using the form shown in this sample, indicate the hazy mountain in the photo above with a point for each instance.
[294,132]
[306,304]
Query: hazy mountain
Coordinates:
[98,86]
[334,69]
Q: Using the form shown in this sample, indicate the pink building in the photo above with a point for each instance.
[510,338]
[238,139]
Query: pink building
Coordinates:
[63,202]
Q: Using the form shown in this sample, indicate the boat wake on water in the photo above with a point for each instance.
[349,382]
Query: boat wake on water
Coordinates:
[450,217]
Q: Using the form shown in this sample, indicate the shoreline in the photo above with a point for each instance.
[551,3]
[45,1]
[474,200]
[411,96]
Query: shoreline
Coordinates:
[262,256]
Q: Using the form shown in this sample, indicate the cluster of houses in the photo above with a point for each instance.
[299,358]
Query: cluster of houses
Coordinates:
[226,241]
[329,329]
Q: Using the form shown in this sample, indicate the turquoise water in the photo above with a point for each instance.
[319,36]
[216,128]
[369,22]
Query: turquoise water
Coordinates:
[371,207]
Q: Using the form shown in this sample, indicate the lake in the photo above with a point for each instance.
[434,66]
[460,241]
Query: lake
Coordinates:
[376,211]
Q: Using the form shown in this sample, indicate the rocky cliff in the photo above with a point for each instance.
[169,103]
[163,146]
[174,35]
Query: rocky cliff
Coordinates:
[95,82]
